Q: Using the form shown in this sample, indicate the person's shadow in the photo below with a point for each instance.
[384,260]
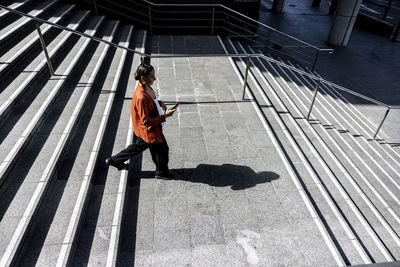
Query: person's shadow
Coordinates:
[236,176]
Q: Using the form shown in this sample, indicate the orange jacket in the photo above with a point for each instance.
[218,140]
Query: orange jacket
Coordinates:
[145,118]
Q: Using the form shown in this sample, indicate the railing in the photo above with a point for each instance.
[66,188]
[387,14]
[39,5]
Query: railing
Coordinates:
[384,10]
[247,56]
[215,18]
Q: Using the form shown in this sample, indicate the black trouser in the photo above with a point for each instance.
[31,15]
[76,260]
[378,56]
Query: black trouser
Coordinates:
[159,153]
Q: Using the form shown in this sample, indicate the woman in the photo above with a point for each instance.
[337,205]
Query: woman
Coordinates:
[147,119]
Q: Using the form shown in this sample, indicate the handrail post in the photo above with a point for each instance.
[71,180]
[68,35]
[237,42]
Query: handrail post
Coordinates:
[212,22]
[267,43]
[315,96]
[315,61]
[151,26]
[384,118]
[389,6]
[95,7]
[45,49]
[395,32]
[245,76]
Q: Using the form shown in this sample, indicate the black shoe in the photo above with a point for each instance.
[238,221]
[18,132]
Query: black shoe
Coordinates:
[119,166]
[167,176]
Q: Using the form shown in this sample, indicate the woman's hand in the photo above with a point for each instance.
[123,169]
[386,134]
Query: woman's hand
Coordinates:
[169,112]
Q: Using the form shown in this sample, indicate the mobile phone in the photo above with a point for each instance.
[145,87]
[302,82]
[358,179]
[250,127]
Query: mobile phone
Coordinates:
[174,107]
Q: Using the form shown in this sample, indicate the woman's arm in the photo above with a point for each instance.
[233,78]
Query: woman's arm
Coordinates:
[144,111]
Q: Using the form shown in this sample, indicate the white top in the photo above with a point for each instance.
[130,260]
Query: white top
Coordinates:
[160,110]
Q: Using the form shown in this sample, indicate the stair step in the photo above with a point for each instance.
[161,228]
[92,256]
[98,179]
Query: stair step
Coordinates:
[17,137]
[9,17]
[364,156]
[388,240]
[85,148]
[19,25]
[377,227]
[109,186]
[40,173]
[326,183]
[16,6]
[359,142]
[16,53]
[284,137]
[349,144]
[362,127]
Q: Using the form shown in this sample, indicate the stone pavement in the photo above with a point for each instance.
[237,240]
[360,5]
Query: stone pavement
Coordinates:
[369,64]
[233,202]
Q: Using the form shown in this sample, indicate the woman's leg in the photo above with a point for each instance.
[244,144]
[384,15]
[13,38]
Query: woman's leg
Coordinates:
[137,147]
[160,155]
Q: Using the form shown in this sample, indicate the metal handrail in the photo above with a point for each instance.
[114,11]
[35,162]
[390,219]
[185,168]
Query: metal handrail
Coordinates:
[152,8]
[124,15]
[233,11]
[247,56]
[71,30]
[270,30]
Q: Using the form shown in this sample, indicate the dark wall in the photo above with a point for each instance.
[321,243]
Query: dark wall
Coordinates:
[172,20]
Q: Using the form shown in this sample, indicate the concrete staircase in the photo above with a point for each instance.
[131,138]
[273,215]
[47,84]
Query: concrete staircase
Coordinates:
[53,129]
[60,205]
[351,180]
